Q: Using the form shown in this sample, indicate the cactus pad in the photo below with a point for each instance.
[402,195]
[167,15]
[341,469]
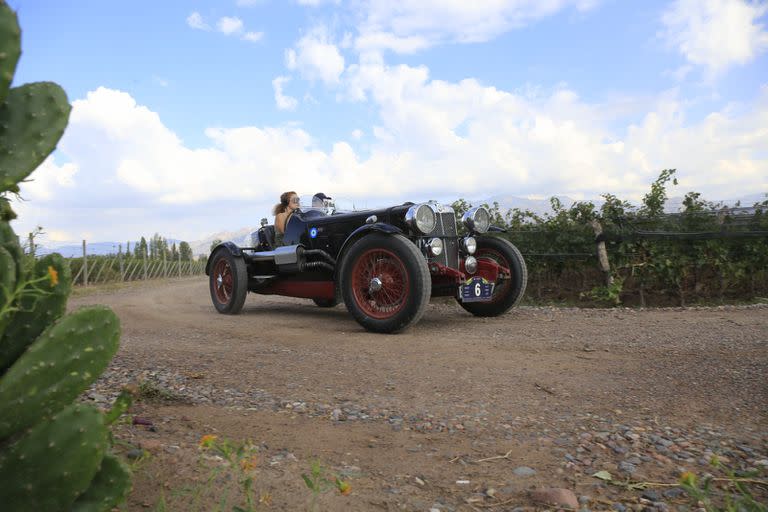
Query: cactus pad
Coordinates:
[108,488]
[57,367]
[53,463]
[32,120]
[37,311]
[10,47]
[10,242]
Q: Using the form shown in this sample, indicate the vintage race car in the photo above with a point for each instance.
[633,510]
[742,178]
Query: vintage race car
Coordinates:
[384,264]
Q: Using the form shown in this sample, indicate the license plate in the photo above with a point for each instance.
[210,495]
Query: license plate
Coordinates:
[476,289]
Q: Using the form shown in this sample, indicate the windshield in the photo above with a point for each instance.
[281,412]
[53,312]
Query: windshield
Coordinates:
[329,205]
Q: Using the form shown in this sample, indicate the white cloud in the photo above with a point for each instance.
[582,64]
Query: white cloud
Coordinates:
[410,25]
[357,134]
[229,25]
[48,178]
[195,20]
[253,36]
[433,139]
[716,34]
[283,102]
[316,57]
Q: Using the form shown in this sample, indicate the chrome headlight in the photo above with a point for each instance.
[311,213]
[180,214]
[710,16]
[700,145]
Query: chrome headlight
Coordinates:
[477,219]
[470,265]
[469,244]
[421,218]
[435,246]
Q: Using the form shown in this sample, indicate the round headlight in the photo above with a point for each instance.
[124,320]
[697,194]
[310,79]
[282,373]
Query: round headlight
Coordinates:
[470,245]
[477,219]
[470,265]
[436,247]
[422,218]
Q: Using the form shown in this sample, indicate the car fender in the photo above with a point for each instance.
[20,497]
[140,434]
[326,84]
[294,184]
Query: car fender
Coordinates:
[377,227]
[231,247]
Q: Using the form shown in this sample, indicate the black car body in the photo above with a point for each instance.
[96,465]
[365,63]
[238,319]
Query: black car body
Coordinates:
[384,264]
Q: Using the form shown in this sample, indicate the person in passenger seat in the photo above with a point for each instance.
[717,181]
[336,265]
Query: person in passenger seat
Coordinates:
[289,202]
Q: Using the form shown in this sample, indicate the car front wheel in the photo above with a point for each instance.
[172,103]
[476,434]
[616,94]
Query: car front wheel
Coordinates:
[508,291]
[385,282]
[228,282]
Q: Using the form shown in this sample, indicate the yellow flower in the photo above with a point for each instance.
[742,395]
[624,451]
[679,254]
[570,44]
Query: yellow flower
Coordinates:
[265,498]
[207,440]
[53,275]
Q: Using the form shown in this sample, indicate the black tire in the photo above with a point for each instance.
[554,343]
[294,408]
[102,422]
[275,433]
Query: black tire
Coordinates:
[508,292]
[228,282]
[405,283]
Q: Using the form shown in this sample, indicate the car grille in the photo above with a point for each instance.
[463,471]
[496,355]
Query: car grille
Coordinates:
[446,230]
[446,224]
[450,254]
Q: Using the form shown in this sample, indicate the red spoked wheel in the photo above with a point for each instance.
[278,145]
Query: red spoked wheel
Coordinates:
[385,282]
[224,283]
[509,289]
[380,283]
[228,282]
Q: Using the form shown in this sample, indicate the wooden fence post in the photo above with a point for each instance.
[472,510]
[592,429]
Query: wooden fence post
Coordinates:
[120,261]
[602,253]
[85,266]
[144,257]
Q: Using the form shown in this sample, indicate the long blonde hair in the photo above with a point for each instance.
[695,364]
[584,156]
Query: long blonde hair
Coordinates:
[283,204]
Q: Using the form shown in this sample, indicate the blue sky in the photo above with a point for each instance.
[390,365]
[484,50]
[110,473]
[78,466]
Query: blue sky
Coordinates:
[191,117]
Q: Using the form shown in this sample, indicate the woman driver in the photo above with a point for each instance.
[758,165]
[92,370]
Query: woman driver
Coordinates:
[289,202]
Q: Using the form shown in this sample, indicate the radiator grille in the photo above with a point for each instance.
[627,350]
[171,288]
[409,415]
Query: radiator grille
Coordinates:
[446,224]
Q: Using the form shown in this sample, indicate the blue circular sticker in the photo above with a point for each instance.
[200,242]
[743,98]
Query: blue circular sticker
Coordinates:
[313,233]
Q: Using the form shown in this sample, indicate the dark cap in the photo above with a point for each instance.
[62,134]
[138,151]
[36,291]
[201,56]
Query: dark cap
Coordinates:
[320,195]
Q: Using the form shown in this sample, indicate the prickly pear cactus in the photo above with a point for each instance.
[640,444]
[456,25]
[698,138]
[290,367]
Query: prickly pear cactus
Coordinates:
[54,452]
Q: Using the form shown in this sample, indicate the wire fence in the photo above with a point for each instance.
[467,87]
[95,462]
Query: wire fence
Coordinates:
[115,268]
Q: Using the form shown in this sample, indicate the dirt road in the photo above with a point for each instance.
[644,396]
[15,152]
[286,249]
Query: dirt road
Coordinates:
[408,418]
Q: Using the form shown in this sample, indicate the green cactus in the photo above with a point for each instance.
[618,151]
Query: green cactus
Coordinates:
[36,310]
[55,462]
[32,120]
[53,454]
[108,488]
[7,287]
[57,367]
[10,242]
[10,43]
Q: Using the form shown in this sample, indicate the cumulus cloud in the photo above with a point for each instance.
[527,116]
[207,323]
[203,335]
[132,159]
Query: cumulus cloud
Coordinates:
[196,21]
[434,139]
[411,25]
[283,102]
[316,57]
[229,25]
[716,34]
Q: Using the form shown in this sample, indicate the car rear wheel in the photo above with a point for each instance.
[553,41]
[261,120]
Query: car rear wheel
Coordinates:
[228,282]
[385,282]
[508,291]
